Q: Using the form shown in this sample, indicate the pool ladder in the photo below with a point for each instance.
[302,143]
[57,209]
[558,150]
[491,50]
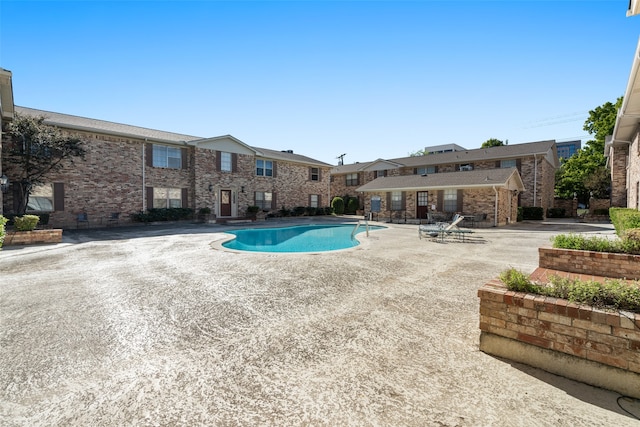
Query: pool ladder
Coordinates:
[360,221]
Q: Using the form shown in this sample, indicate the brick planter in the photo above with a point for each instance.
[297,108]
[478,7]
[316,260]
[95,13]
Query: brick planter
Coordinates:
[601,348]
[619,266]
[33,237]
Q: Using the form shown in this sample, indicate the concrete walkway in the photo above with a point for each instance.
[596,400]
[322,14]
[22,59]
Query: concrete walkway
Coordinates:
[156,326]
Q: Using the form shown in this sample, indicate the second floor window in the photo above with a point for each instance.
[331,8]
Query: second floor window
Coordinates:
[315,174]
[167,157]
[426,170]
[352,179]
[508,163]
[264,168]
[225,162]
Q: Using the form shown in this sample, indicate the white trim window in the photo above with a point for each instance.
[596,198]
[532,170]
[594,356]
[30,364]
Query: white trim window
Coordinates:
[396,200]
[263,199]
[315,174]
[426,170]
[508,163]
[226,164]
[450,202]
[41,198]
[167,157]
[264,167]
[167,198]
[313,200]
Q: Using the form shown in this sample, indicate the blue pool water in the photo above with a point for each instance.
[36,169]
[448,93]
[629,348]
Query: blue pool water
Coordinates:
[305,238]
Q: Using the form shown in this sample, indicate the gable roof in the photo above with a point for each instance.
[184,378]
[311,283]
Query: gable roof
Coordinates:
[503,152]
[485,178]
[93,125]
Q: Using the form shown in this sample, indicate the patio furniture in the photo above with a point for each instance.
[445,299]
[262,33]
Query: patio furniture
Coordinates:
[442,229]
[82,218]
[114,218]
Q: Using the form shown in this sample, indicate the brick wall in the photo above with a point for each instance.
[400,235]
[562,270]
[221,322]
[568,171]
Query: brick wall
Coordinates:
[621,266]
[604,337]
[33,237]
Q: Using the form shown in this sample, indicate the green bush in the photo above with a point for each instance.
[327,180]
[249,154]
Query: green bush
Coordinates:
[624,219]
[284,211]
[584,243]
[3,222]
[163,214]
[298,211]
[614,294]
[204,211]
[555,213]
[338,205]
[26,222]
[532,213]
[520,216]
[352,205]
[602,212]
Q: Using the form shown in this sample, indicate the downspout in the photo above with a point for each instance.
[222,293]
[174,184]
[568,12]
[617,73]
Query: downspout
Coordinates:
[495,209]
[329,189]
[144,162]
[535,179]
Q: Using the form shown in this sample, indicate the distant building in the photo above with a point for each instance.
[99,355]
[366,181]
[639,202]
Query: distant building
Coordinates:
[445,148]
[568,148]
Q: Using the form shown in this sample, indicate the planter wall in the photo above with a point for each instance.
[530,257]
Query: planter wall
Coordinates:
[601,348]
[33,237]
[619,266]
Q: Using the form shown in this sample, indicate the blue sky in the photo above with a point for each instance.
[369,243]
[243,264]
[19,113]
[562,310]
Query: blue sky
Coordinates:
[372,79]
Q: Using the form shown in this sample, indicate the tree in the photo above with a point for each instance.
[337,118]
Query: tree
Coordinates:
[34,151]
[585,173]
[422,152]
[492,142]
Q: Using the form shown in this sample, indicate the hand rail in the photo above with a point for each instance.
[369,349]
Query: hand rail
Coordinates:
[366,222]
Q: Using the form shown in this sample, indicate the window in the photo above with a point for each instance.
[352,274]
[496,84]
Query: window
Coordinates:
[41,198]
[167,157]
[225,162]
[263,200]
[167,198]
[264,168]
[313,200]
[378,174]
[508,163]
[396,200]
[352,179]
[315,174]
[450,200]
[426,170]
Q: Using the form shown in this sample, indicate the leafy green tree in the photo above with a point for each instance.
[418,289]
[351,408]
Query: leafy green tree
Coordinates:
[585,172]
[418,153]
[33,152]
[492,142]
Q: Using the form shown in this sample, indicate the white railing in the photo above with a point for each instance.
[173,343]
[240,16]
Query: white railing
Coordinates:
[366,223]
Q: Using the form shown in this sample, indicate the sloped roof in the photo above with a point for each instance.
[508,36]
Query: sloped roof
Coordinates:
[547,148]
[153,135]
[485,178]
[94,125]
[288,156]
[627,120]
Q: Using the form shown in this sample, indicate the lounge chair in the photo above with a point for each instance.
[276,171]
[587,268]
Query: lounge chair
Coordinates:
[443,229]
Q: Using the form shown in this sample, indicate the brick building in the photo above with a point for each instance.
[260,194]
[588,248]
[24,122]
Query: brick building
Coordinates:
[129,169]
[469,185]
[622,149]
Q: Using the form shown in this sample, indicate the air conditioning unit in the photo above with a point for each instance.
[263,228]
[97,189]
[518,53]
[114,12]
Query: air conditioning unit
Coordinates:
[466,168]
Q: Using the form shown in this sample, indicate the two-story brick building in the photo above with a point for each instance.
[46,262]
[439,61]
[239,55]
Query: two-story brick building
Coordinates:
[129,169]
[460,181]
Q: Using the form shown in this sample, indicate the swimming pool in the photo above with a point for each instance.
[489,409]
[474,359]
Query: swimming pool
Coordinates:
[302,238]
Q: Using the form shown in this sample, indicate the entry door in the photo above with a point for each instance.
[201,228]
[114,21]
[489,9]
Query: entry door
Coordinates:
[423,204]
[225,202]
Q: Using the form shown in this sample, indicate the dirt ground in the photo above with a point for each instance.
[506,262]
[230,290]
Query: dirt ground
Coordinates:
[158,326]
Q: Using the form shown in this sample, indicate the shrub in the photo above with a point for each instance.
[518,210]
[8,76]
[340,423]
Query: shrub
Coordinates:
[204,211]
[310,211]
[624,219]
[520,216]
[163,214]
[352,205]
[555,213]
[631,241]
[580,242]
[338,205]
[298,211]
[3,222]
[284,211]
[532,212]
[602,212]
[615,294]
[26,222]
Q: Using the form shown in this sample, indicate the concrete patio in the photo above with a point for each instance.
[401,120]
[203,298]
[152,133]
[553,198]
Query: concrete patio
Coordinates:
[157,326]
